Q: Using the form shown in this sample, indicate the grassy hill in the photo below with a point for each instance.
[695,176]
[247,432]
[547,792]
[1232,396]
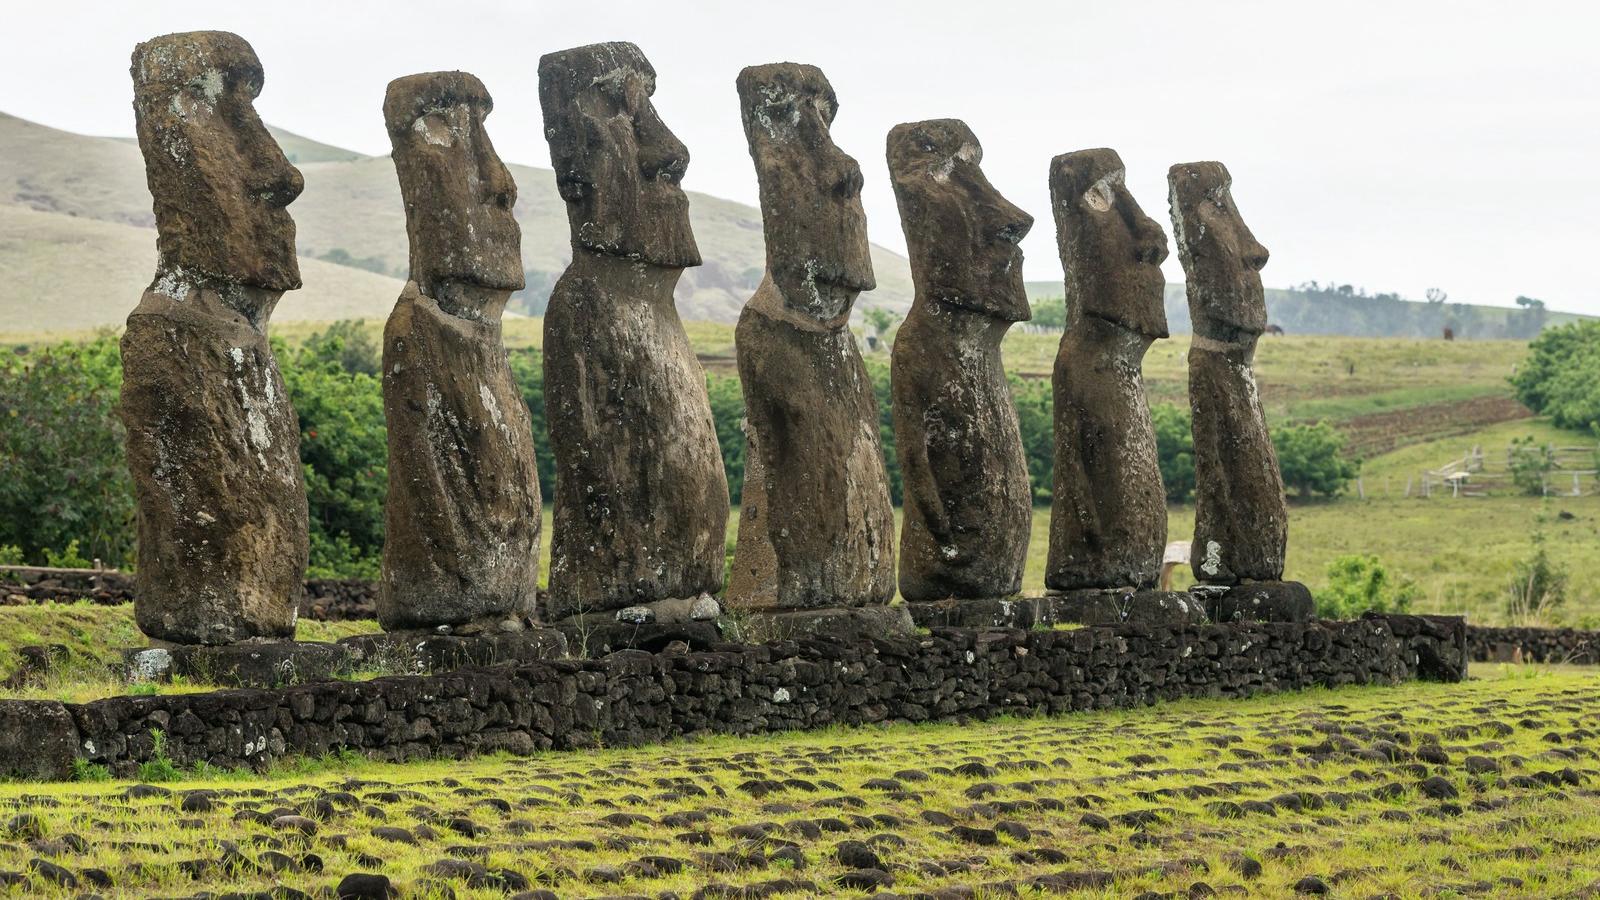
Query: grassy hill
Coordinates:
[67,274]
[351,215]
[1331,311]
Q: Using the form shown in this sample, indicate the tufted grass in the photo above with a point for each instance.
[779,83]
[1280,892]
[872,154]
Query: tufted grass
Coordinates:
[1498,838]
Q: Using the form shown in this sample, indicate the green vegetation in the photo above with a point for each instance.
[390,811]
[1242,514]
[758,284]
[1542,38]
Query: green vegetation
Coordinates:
[1247,796]
[1562,376]
[1358,584]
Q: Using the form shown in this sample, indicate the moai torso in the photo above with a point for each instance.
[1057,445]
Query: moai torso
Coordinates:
[1108,517]
[213,444]
[641,498]
[968,505]
[811,411]
[1241,520]
[462,516]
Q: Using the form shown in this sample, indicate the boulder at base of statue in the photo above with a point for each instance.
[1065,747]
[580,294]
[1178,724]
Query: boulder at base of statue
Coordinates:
[1265,601]
[253,664]
[836,623]
[1123,606]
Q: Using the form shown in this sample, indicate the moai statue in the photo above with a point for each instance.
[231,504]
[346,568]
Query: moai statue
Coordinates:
[213,444]
[641,504]
[1241,520]
[968,504]
[811,412]
[1108,519]
[461,542]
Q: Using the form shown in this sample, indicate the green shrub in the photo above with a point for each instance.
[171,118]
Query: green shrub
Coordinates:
[1359,583]
[63,476]
[1538,588]
[1311,459]
[1529,464]
[1174,450]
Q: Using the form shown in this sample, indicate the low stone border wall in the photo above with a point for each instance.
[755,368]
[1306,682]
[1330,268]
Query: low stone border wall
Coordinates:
[634,697]
[1533,645]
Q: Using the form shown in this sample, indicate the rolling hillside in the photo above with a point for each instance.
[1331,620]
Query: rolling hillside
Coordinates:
[350,214]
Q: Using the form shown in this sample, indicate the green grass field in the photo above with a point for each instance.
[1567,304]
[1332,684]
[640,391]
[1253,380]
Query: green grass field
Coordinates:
[1480,789]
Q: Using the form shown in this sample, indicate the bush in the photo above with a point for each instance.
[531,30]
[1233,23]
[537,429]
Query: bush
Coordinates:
[1538,587]
[1174,450]
[1311,459]
[1561,377]
[727,414]
[1359,583]
[527,369]
[1529,464]
[1035,407]
[343,447]
[63,476]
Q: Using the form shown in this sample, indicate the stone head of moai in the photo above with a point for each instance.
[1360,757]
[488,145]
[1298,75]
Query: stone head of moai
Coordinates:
[816,230]
[1221,259]
[221,184]
[458,194]
[1110,250]
[964,238]
[618,167]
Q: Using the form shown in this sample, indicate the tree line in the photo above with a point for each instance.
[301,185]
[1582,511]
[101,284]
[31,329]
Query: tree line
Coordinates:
[64,482]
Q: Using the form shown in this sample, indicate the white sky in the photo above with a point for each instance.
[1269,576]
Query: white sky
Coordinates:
[1396,145]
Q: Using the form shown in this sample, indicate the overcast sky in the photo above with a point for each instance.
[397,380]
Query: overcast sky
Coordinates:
[1395,145]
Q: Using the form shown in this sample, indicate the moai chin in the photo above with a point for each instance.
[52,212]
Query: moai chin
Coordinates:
[1108,518]
[811,412]
[1241,519]
[213,443]
[641,503]
[462,517]
[968,505]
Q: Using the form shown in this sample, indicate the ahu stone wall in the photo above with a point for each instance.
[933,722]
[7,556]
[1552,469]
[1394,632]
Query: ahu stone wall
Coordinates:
[632,697]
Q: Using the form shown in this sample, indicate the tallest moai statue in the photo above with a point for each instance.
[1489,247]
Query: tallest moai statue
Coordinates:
[213,444]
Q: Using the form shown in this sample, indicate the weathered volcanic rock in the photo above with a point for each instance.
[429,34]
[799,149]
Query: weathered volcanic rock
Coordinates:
[968,504]
[809,402]
[462,517]
[213,444]
[1108,519]
[753,579]
[1241,520]
[641,503]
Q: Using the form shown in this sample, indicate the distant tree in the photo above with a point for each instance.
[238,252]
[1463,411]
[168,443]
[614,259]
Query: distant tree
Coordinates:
[728,415]
[1561,376]
[1435,295]
[879,322]
[1036,419]
[1050,312]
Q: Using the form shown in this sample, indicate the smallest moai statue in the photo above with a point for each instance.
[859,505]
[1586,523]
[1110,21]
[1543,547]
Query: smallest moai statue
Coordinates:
[1241,518]
[968,504]
[462,517]
[1108,519]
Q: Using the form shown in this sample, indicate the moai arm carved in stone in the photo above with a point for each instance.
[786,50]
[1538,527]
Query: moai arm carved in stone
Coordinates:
[462,519]
[1108,519]
[968,506]
[811,411]
[1241,519]
[213,444]
[641,502]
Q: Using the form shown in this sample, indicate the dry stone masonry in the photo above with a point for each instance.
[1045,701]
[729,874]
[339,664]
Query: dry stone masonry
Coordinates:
[633,697]
[1241,518]
[968,505]
[462,519]
[812,414]
[213,444]
[641,503]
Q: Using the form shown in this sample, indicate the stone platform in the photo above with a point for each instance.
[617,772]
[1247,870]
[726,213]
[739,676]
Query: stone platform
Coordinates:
[1255,602]
[633,697]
